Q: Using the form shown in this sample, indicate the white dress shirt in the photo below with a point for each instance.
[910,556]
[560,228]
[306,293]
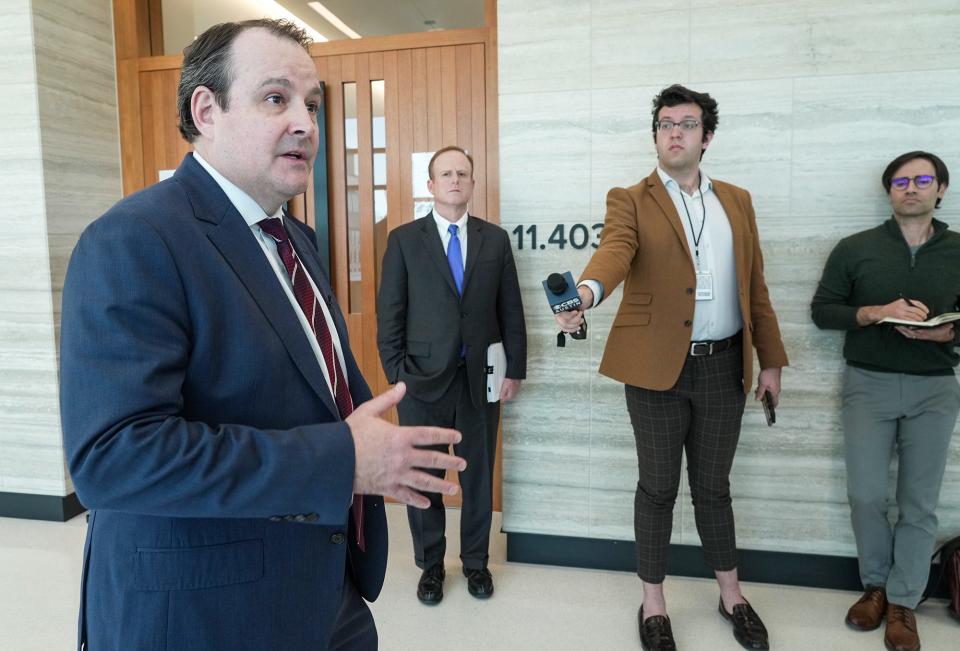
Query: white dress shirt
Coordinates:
[443,226]
[719,317]
[252,213]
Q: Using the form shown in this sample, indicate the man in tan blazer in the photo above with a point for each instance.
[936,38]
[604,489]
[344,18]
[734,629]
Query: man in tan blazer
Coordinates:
[694,307]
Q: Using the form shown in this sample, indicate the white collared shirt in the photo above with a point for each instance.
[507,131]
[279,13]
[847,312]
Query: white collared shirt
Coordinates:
[720,317]
[443,227]
[252,213]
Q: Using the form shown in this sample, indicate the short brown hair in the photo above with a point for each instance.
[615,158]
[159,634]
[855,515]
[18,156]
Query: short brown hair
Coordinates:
[445,150]
[206,62]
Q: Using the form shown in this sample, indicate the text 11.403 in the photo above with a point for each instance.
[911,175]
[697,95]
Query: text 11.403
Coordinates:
[577,236]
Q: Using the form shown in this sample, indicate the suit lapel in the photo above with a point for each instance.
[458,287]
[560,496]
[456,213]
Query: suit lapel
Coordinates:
[660,195]
[474,243]
[433,245]
[738,228]
[231,236]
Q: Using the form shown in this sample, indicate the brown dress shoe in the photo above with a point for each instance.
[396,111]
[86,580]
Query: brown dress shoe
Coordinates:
[869,611]
[901,629]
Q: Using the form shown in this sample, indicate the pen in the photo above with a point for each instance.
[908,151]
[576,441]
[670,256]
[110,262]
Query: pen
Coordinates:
[909,302]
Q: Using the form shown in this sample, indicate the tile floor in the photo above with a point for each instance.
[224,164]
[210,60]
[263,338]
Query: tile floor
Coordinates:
[535,607]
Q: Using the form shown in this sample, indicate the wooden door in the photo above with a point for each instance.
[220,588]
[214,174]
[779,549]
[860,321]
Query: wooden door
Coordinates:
[431,97]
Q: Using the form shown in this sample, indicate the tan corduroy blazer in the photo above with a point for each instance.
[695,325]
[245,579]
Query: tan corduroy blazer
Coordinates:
[644,246]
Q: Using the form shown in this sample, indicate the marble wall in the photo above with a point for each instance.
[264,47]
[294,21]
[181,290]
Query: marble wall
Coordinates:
[59,169]
[815,98]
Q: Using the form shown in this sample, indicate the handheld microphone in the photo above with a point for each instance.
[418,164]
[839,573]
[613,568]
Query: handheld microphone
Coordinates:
[562,296]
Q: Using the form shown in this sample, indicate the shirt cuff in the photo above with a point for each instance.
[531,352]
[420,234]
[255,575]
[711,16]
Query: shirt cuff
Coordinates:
[596,288]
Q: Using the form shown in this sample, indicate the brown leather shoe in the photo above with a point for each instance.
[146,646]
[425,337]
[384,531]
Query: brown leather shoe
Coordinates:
[869,611]
[901,629]
[655,633]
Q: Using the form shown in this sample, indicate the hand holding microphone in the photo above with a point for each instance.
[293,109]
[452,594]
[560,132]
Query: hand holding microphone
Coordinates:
[568,302]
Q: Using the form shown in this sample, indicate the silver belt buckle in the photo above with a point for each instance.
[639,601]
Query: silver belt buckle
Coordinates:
[705,348]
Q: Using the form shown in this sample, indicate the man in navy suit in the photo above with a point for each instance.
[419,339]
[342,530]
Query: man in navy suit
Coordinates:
[215,421]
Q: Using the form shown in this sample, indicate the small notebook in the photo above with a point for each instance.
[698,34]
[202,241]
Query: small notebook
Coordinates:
[946,317]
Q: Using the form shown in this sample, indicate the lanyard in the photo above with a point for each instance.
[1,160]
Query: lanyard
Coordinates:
[696,236]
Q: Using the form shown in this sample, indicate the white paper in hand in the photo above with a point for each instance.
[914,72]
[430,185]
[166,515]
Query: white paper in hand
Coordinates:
[496,370]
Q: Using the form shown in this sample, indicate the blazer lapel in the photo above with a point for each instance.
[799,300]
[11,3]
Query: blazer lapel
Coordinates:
[660,195]
[738,228]
[474,244]
[433,245]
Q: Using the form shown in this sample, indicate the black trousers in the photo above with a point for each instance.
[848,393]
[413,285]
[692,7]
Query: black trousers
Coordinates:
[701,414]
[478,425]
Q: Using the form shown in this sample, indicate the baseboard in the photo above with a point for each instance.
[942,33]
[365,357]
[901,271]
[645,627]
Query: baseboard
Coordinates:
[783,568]
[54,508]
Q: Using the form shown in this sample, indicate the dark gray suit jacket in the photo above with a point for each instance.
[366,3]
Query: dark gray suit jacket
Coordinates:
[422,321]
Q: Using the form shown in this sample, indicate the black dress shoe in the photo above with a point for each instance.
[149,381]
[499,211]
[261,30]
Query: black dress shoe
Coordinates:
[747,627]
[655,633]
[430,588]
[479,582]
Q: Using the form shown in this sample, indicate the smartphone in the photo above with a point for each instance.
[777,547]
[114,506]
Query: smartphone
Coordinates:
[768,409]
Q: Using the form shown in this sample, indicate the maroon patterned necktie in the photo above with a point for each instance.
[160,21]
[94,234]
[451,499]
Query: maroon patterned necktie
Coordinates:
[310,305]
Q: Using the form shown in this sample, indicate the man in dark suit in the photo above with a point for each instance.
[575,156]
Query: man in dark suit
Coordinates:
[215,421]
[449,291]
[695,305]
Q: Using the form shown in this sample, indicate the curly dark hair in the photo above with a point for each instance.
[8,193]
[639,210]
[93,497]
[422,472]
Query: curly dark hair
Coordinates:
[676,95]
[206,62]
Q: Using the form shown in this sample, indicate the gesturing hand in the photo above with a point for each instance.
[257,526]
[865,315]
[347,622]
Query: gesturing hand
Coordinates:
[388,460]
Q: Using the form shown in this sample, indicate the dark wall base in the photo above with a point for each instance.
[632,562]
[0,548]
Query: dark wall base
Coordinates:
[786,568]
[40,507]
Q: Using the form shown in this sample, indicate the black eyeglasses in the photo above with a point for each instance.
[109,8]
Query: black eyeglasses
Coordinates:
[666,126]
[921,181]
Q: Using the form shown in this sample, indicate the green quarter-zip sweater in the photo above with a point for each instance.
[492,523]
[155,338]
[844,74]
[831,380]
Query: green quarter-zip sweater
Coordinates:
[876,267]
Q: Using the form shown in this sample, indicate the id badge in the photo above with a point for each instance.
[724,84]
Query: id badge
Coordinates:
[704,286]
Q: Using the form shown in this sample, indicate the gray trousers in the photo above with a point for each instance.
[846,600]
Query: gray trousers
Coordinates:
[916,415]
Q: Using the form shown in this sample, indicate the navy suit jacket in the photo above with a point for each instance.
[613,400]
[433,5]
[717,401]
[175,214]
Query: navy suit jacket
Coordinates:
[201,434]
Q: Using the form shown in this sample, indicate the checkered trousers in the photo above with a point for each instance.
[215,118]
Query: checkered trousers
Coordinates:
[700,414]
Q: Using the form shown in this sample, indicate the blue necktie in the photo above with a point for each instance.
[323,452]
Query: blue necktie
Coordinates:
[455,257]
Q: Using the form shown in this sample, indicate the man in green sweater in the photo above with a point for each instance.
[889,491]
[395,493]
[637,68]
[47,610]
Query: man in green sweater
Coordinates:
[899,387]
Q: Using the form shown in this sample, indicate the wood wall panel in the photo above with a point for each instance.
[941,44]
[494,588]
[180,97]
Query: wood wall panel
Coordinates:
[432,91]
[448,97]
[407,112]
[419,100]
[482,204]
[163,147]
[131,131]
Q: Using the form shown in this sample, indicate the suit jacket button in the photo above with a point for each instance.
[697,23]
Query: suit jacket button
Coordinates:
[689,290]
[337,539]
[300,517]
[275,518]
[688,323]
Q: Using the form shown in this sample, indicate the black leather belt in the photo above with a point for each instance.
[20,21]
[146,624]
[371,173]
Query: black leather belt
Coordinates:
[701,348]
